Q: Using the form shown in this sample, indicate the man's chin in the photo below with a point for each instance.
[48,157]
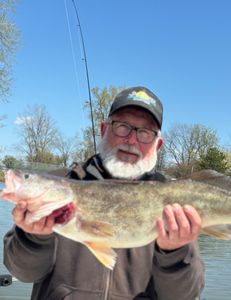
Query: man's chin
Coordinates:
[125,170]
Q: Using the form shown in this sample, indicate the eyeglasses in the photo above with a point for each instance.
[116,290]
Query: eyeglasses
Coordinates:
[123,129]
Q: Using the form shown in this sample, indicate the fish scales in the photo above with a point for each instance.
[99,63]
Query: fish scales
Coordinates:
[131,211]
[113,205]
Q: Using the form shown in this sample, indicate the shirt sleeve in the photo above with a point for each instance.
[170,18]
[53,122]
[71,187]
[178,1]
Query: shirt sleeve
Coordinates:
[29,257]
[178,274]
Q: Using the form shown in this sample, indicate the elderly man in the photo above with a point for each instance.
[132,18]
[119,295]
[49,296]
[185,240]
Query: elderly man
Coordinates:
[167,269]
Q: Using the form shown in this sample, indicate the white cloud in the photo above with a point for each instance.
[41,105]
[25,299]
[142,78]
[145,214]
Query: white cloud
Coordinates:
[22,120]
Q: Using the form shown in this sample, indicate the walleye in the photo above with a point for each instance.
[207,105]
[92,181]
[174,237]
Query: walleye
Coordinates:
[114,214]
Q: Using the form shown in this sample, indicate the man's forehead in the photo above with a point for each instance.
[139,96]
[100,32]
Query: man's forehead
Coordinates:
[135,112]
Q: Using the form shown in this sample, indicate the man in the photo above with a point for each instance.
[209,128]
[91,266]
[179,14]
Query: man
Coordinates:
[167,269]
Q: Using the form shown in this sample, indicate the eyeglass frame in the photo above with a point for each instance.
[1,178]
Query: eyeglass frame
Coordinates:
[156,133]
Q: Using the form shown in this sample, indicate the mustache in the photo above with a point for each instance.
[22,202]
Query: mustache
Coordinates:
[129,148]
[107,152]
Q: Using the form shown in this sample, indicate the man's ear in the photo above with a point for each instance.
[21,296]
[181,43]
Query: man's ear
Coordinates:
[160,143]
[103,127]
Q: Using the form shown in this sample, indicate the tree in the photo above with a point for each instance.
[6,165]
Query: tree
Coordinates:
[87,148]
[10,162]
[67,148]
[228,159]
[45,157]
[214,159]
[9,38]
[161,162]
[101,103]
[185,145]
[37,133]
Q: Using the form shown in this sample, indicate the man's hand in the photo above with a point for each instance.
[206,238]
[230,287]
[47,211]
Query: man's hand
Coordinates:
[181,226]
[42,227]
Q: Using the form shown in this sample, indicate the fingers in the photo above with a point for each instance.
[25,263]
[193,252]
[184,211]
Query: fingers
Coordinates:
[180,226]
[50,221]
[182,221]
[39,225]
[42,227]
[18,212]
[161,230]
[194,218]
[171,222]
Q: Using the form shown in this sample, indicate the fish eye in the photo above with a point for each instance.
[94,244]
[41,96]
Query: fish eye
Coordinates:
[26,176]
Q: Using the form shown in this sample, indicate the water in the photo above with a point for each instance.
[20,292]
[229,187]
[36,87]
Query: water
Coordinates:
[216,255]
[18,290]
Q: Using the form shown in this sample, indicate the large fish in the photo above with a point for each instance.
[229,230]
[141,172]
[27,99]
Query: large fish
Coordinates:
[115,214]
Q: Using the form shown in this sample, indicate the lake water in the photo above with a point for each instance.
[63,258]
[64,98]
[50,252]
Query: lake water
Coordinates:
[17,290]
[216,255]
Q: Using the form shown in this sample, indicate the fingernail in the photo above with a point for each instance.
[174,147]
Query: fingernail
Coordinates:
[168,209]
[187,207]
[176,206]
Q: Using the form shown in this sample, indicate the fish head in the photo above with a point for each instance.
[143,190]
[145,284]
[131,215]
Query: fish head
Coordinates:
[24,185]
[44,194]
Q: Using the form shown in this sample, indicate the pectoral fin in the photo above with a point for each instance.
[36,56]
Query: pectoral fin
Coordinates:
[105,254]
[222,231]
[96,228]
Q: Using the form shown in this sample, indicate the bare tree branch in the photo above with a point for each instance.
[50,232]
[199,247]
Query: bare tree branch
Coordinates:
[37,132]
[185,144]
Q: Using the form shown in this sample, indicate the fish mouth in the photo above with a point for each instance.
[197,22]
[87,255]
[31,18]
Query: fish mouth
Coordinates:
[13,179]
[63,214]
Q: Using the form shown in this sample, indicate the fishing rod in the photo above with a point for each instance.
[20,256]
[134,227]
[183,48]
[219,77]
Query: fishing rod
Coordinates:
[87,75]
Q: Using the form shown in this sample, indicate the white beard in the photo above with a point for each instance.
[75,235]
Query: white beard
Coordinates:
[123,170]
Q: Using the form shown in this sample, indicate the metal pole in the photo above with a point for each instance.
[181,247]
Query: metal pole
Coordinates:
[87,75]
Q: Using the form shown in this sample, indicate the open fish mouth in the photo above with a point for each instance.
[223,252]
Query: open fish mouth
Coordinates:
[13,180]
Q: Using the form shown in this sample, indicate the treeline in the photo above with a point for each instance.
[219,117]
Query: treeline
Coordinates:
[187,148]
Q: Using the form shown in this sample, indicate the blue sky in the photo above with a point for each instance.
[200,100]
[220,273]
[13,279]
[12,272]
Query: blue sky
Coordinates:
[179,49]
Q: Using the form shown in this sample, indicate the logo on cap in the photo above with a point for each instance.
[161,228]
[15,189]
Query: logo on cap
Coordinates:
[142,96]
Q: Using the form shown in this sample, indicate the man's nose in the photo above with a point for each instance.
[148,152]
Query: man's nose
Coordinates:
[132,137]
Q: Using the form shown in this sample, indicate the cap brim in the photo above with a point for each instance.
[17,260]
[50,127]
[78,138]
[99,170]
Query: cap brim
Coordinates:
[117,106]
